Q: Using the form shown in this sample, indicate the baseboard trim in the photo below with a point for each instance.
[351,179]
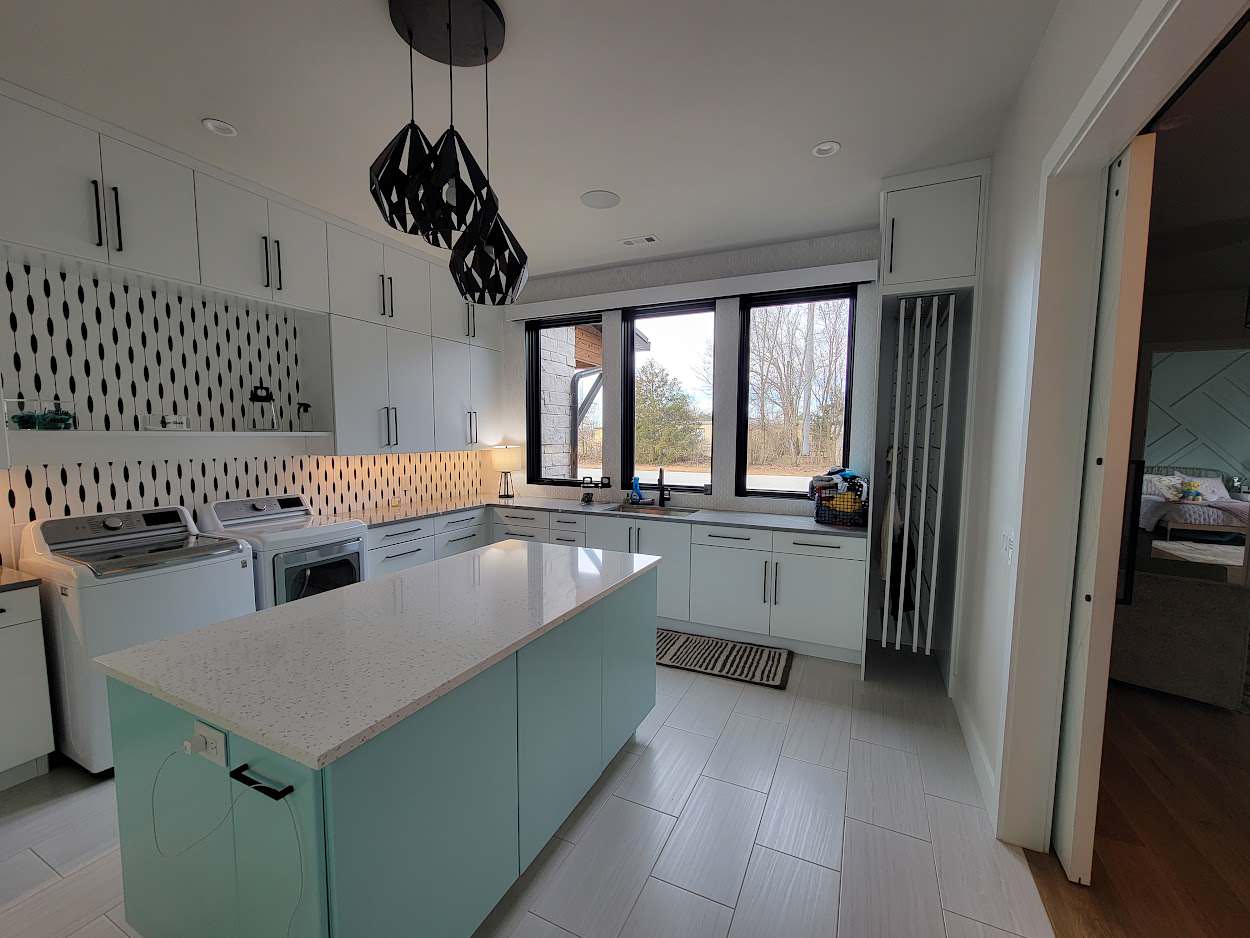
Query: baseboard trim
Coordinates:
[982,767]
[829,652]
[24,772]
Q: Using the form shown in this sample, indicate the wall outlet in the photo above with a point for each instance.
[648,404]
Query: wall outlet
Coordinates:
[209,742]
[396,502]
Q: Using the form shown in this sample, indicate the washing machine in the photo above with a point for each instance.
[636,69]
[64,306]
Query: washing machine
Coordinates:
[114,580]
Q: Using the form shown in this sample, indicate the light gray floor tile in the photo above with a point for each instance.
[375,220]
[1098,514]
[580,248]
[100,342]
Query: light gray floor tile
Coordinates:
[68,904]
[983,878]
[21,875]
[575,826]
[78,844]
[766,703]
[881,716]
[533,927]
[594,890]
[706,706]
[804,813]
[944,763]
[746,753]
[48,806]
[819,732]
[885,789]
[652,722]
[672,682]
[100,928]
[665,911]
[786,896]
[117,915]
[830,681]
[959,927]
[666,772]
[711,845]
[889,888]
[510,912]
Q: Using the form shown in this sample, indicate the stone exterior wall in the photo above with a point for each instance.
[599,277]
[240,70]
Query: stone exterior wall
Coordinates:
[557,349]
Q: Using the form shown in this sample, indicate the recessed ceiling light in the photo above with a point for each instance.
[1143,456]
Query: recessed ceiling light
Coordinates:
[826,148]
[600,198]
[219,127]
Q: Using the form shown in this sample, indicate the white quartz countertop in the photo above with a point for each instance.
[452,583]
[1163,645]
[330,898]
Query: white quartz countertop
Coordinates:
[314,679]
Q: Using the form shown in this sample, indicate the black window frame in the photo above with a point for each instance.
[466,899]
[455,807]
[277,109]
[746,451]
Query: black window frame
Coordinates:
[748,302]
[533,390]
[629,316]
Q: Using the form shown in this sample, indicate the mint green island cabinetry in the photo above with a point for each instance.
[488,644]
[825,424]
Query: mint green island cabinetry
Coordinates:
[396,752]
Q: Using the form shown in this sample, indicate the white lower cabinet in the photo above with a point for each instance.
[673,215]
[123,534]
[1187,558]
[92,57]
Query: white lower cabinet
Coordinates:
[25,716]
[729,587]
[505,532]
[395,557]
[815,599]
[610,533]
[569,538]
[670,541]
[457,540]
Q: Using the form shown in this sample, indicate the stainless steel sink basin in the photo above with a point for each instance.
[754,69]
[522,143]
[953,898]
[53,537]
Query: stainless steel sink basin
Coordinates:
[656,510]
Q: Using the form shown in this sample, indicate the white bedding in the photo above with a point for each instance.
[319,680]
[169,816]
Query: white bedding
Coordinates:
[1224,512]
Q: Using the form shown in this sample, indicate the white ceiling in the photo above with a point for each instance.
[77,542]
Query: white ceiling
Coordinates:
[700,113]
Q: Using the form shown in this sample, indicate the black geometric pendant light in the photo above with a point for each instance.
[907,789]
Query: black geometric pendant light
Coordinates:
[392,174]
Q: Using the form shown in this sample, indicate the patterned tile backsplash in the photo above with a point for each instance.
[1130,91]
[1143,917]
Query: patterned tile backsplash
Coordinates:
[332,483]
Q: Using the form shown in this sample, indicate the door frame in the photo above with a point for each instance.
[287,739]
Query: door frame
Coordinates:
[1158,49]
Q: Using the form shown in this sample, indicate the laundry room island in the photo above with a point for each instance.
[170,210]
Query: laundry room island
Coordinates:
[396,752]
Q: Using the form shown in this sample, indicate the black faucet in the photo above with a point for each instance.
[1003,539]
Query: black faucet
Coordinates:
[663,493]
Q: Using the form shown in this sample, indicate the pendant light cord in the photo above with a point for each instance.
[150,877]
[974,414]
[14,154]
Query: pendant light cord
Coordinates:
[451,96]
[486,65]
[412,93]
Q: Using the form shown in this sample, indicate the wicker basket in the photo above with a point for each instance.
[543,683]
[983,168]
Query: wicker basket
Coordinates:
[848,509]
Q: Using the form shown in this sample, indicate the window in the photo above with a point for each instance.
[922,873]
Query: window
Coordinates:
[794,394]
[668,396]
[564,406]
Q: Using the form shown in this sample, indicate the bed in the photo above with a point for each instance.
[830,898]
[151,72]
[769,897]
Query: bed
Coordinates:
[1217,513]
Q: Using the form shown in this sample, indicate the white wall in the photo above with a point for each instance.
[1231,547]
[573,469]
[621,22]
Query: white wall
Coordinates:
[1079,37]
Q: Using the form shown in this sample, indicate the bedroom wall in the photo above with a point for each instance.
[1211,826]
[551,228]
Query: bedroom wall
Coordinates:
[1199,410]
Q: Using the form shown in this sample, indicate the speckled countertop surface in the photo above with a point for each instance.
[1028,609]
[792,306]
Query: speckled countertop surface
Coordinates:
[312,680]
[803,524]
[11,579]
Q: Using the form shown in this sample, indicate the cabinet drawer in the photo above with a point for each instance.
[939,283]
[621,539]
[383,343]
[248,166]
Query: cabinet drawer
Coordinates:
[567,521]
[453,542]
[820,545]
[569,538]
[389,534]
[458,521]
[503,532]
[384,560]
[25,718]
[521,518]
[18,606]
[717,536]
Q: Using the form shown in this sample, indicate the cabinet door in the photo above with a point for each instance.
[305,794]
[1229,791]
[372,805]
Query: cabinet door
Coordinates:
[451,395]
[356,276]
[931,231]
[670,540]
[610,533]
[729,588]
[151,216]
[485,394]
[47,166]
[396,557]
[411,369]
[450,543]
[25,720]
[408,291]
[559,724]
[298,244]
[628,661]
[449,313]
[233,228]
[361,392]
[486,327]
[818,600]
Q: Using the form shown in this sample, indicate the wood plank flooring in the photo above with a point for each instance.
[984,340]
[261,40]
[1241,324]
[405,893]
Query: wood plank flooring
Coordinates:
[1172,846]
[735,812]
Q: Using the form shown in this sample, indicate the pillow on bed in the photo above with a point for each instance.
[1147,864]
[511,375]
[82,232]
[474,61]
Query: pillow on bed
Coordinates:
[1168,487]
[1212,490]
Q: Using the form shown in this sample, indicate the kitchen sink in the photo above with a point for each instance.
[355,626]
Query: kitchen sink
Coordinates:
[656,510]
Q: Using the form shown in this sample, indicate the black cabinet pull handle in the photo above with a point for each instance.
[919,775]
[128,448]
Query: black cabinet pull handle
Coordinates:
[517,534]
[776,569]
[391,280]
[277,794]
[729,537]
[809,544]
[891,268]
[473,318]
[99,222]
[395,417]
[277,250]
[558,521]
[405,553]
[406,532]
[459,520]
[117,213]
[382,281]
[264,243]
[463,537]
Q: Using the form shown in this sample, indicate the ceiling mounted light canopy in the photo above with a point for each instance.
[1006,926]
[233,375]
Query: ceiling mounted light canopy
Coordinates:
[600,198]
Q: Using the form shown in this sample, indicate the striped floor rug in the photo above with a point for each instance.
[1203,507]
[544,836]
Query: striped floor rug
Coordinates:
[738,661]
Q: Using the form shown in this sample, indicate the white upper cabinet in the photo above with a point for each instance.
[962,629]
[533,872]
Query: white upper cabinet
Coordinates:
[452,396]
[234,238]
[149,210]
[357,281]
[486,326]
[297,244]
[363,422]
[407,291]
[51,189]
[930,231]
[448,311]
[486,395]
[410,365]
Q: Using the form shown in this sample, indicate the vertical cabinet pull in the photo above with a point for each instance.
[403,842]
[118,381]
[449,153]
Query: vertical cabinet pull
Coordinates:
[776,572]
[468,323]
[382,282]
[99,221]
[391,280]
[472,321]
[637,537]
[264,245]
[277,250]
[386,419]
[891,267]
[395,417]
[469,416]
[765,582]
[117,213]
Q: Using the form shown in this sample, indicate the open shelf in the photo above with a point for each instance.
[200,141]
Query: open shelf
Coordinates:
[30,447]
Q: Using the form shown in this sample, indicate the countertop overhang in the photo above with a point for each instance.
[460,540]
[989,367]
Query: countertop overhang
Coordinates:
[314,679]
